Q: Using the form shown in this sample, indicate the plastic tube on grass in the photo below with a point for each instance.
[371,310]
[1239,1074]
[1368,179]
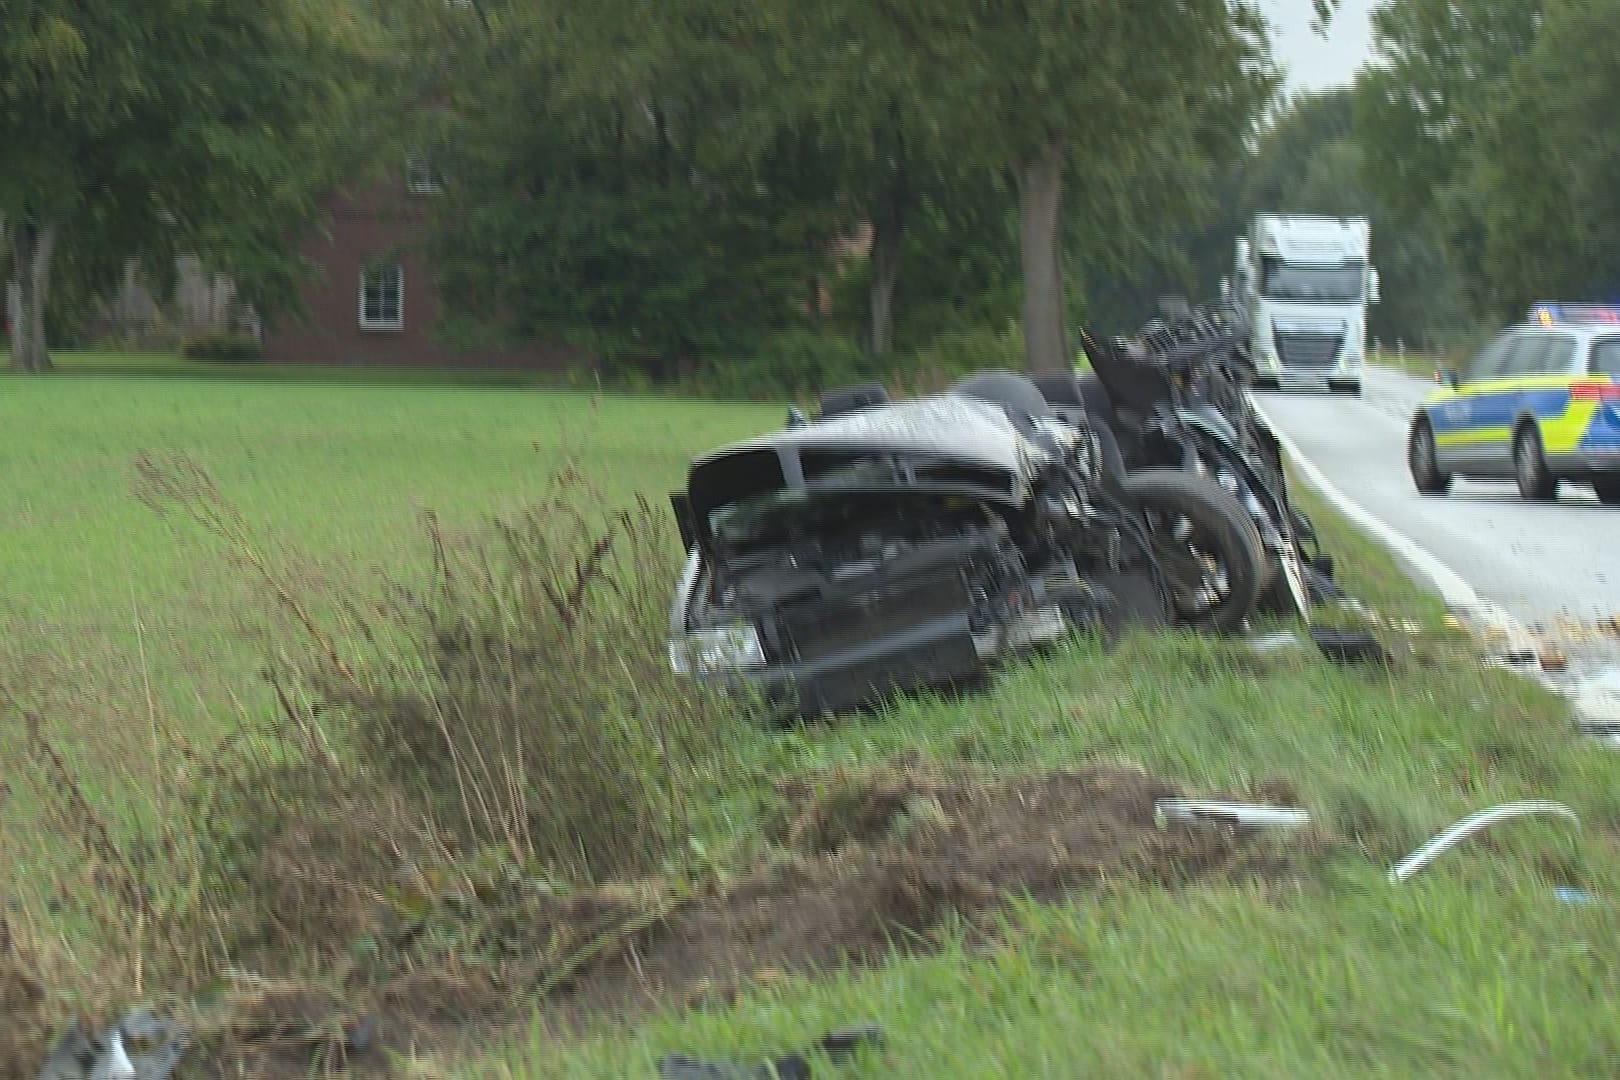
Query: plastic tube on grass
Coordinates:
[1248,815]
[1470,825]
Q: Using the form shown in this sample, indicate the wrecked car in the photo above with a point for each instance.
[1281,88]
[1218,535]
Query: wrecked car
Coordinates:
[892,545]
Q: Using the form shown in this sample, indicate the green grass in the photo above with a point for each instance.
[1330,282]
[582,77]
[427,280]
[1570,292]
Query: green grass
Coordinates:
[171,365]
[1472,968]
[102,600]
[1362,981]
[1421,364]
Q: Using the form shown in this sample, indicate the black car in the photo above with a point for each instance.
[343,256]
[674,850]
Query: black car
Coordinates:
[889,545]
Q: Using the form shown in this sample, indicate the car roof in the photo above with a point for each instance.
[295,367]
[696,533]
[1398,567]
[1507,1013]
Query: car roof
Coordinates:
[1581,332]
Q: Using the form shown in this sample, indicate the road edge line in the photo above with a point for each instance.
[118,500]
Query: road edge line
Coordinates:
[1590,702]
[1456,592]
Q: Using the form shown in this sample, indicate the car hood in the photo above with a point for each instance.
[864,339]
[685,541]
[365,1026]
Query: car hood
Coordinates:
[945,443]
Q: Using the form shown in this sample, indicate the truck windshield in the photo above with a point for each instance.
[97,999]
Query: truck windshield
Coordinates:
[1335,284]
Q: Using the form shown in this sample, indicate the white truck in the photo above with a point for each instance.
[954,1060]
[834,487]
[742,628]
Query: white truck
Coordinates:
[1304,281]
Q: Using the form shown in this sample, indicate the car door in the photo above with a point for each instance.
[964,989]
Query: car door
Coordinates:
[1495,400]
[1543,393]
[1456,444]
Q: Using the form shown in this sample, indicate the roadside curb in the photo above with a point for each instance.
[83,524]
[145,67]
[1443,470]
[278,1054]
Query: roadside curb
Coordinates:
[1508,642]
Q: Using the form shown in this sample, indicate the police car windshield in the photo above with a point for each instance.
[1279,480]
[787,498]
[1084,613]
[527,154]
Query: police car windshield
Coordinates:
[1331,284]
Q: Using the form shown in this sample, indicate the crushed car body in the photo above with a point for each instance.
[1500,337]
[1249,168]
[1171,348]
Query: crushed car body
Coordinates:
[892,545]
[837,561]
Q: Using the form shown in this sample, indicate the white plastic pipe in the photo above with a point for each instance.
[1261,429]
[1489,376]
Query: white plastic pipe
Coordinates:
[1246,814]
[1470,825]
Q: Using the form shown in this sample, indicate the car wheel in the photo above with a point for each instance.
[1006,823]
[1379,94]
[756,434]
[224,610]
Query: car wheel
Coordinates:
[1530,467]
[1608,489]
[1206,545]
[1422,463]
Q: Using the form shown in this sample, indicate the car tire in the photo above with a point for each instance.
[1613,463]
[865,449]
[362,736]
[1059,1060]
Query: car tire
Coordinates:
[1421,461]
[1221,523]
[1530,467]
[1607,489]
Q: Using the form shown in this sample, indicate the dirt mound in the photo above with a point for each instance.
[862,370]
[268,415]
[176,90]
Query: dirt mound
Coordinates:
[878,859]
[863,864]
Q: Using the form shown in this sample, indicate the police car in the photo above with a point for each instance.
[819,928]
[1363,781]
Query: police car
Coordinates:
[1539,404]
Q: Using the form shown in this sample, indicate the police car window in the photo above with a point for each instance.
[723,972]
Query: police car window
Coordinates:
[1606,357]
[1488,360]
[1542,354]
[1558,354]
[1525,355]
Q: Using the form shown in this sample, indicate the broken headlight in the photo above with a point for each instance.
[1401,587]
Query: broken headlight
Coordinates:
[723,648]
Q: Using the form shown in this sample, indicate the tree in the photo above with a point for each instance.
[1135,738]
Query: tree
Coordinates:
[1043,86]
[1546,165]
[1423,112]
[147,128]
[623,180]
[669,179]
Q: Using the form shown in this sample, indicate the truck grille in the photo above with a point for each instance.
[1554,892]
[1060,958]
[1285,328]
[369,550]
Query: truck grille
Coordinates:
[1308,350]
[892,607]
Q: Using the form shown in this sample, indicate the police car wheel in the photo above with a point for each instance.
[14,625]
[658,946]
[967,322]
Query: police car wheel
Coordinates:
[1530,468]
[1420,460]
[1608,489]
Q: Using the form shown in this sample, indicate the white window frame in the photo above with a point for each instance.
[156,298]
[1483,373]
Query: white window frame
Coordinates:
[420,176]
[366,275]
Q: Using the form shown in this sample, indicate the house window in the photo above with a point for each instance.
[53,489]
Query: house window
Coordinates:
[421,178]
[382,297]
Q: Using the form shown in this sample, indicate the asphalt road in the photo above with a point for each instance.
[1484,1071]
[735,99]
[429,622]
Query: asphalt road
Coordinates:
[1537,561]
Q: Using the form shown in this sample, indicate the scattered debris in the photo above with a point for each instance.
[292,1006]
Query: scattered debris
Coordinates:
[1283,641]
[103,1056]
[839,1047]
[1246,815]
[1471,824]
[1350,646]
[1597,703]
[1568,894]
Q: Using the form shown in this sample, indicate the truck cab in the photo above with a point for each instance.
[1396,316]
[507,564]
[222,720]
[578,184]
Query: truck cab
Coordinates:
[1305,282]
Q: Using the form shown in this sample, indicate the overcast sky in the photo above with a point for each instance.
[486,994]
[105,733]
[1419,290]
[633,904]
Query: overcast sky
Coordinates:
[1310,61]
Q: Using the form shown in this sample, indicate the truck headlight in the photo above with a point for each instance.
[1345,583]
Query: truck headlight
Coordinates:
[723,648]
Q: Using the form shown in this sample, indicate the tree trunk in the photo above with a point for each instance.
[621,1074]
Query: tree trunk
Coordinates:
[887,235]
[1040,194]
[32,247]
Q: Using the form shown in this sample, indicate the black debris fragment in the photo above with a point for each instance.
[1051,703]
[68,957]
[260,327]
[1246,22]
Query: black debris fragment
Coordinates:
[838,1046]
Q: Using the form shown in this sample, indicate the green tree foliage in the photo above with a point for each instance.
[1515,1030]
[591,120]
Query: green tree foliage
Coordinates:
[1312,160]
[1426,113]
[1547,166]
[1123,99]
[1494,118]
[670,182]
[614,184]
[162,126]
[1308,158]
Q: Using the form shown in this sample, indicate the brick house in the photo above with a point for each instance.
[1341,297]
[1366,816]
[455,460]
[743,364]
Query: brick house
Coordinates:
[374,299]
